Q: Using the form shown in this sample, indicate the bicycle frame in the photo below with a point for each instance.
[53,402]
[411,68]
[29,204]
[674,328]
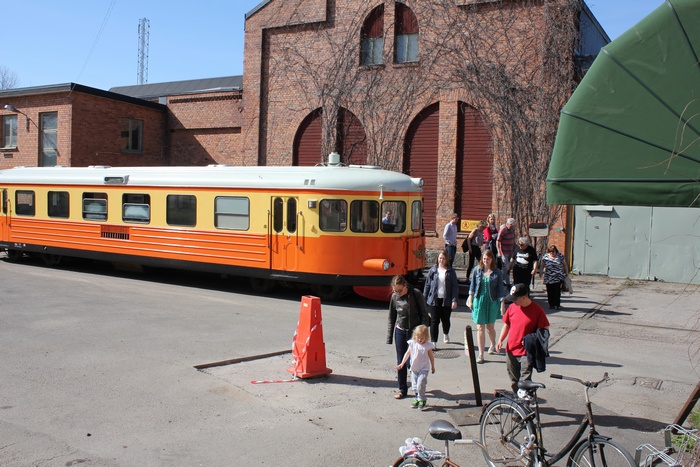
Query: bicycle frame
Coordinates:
[578,438]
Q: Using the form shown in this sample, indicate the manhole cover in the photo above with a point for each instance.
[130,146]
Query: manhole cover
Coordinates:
[447,353]
[648,383]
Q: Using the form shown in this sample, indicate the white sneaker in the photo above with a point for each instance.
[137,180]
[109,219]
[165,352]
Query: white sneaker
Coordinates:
[492,350]
[446,339]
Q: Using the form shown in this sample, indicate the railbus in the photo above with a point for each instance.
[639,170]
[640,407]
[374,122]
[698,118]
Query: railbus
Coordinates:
[332,226]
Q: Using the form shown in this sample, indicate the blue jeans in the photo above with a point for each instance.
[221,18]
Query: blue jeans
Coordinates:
[401,338]
[451,252]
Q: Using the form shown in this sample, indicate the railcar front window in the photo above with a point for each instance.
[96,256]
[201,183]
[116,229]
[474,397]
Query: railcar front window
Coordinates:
[333,215]
[416,216]
[95,206]
[393,216]
[181,210]
[24,203]
[136,207]
[232,212]
[364,216]
[58,204]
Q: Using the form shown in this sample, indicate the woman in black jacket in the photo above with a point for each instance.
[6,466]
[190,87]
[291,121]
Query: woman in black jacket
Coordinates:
[407,310]
[441,292]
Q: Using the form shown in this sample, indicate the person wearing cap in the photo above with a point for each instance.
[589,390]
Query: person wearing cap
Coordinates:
[506,244]
[522,317]
[450,236]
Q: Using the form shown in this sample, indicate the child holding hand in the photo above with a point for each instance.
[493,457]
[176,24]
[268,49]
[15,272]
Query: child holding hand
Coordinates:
[420,351]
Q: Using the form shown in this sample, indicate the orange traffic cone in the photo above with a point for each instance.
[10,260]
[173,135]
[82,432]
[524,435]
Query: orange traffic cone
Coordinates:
[308,348]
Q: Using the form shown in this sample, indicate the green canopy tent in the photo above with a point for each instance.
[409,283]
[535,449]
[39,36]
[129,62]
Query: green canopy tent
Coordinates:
[630,134]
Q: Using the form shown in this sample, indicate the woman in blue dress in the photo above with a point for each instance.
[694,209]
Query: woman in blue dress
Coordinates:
[486,301]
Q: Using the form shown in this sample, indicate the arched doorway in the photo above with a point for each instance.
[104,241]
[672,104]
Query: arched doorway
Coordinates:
[474,177]
[421,158]
[351,140]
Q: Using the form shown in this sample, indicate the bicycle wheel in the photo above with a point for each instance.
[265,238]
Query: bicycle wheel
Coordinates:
[504,430]
[602,452]
[415,463]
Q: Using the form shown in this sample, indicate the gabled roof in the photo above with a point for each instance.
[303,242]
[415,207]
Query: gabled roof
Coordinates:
[174,88]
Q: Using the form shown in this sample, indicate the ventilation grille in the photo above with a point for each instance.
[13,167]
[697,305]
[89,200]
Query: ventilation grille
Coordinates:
[114,231]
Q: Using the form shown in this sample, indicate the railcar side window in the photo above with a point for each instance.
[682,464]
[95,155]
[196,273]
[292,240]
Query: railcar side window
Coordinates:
[364,216]
[4,201]
[416,216]
[393,216]
[333,215]
[95,206]
[181,210]
[232,212]
[58,204]
[24,203]
[136,207]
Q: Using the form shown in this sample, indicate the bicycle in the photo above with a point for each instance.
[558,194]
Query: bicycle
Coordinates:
[415,454]
[508,422]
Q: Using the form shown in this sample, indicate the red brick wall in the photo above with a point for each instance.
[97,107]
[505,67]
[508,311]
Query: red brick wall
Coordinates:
[205,129]
[88,130]
[96,131]
[27,152]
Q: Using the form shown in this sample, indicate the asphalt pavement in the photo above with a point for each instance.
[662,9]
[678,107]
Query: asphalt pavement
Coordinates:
[109,369]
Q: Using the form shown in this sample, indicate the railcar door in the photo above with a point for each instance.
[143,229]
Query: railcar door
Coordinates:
[4,217]
[285,235]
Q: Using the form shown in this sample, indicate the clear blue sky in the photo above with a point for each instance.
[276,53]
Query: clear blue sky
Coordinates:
[95,42]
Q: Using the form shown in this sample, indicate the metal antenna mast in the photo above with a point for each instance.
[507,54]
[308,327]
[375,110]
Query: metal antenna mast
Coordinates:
[144,35]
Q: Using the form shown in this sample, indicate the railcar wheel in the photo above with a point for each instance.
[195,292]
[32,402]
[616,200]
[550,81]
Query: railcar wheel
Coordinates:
[50,260]
[14,256]
[259,285]
[328,293]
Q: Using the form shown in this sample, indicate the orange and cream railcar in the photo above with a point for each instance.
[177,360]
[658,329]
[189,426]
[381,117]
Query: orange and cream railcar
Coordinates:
[324,225]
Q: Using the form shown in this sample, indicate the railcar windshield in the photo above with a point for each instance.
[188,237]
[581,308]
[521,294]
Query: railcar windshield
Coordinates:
[393,216]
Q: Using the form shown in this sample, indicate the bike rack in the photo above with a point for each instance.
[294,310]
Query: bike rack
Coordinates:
[681,453]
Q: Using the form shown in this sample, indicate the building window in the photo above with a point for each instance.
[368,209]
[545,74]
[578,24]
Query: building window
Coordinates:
[372,38]
[95,206]
[232,212]
[9,131]
[24,203]
[48,140]
[132,135]
[406,35]
[136,207]
[181,210]
[58,205]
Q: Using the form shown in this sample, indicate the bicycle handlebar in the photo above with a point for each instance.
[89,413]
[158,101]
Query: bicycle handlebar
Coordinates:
[588,384]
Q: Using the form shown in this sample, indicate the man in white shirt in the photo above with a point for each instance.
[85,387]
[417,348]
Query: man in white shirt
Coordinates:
[450,236]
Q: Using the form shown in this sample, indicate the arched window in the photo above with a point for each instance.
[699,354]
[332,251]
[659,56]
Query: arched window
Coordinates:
[406,35]
[372,38]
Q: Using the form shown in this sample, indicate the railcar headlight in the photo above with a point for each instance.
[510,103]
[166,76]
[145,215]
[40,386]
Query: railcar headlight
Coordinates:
[378,264]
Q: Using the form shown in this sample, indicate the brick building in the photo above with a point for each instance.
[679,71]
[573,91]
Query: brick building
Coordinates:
[386,83]
[381,82]
[75,125]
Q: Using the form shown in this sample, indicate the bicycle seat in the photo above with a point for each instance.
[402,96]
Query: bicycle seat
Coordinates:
[444,431]
[527,385]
